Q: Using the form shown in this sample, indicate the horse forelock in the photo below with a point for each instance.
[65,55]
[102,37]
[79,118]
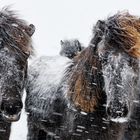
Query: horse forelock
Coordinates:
[13,33]
[123,30]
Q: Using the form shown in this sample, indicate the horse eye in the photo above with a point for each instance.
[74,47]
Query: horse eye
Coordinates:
[1,44]
[27,54]
[30,30]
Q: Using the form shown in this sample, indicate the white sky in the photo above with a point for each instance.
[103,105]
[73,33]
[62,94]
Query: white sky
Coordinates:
[65,19]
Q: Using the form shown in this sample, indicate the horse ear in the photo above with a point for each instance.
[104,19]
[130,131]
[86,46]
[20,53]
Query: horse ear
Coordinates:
[77,43]
[101,24]
[30,30]
[61,42]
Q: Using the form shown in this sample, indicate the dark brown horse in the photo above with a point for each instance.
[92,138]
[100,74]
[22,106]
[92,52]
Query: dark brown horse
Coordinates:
[15,49]
[80,99]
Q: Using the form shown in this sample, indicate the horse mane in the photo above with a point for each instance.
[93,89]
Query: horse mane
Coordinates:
[123,30]
[85,76]
[13,33]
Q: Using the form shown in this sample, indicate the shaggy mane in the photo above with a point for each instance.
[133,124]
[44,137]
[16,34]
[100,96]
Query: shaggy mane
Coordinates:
[13,32]
[123,30]
[86,79]
[84,86]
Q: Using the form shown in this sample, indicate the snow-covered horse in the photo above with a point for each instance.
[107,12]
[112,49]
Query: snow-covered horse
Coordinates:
[15,48]
[70,48]
[80,99]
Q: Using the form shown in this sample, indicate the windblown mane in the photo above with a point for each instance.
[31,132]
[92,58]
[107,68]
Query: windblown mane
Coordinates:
[86,79]
[123,30]
[14,33]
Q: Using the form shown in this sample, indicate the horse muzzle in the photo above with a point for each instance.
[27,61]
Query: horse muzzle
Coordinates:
[11,110]
[117,110]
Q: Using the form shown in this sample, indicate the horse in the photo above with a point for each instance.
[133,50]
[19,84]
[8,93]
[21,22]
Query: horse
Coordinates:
[95,95]
[70,48]
[15,49]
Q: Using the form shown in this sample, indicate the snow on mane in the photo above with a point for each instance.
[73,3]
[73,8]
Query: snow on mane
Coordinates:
[45,74]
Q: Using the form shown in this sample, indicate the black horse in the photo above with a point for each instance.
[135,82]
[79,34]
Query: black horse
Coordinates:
[15,49]
[81,99]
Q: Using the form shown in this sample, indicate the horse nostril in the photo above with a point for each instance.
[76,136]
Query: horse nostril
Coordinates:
[108,111]
[2,106]
[125,111]
[11,108]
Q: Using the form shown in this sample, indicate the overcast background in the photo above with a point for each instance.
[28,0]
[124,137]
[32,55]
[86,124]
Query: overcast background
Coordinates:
[63,19]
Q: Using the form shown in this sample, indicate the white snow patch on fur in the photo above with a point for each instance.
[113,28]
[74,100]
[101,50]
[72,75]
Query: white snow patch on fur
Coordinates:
[48,73]
[120,120]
